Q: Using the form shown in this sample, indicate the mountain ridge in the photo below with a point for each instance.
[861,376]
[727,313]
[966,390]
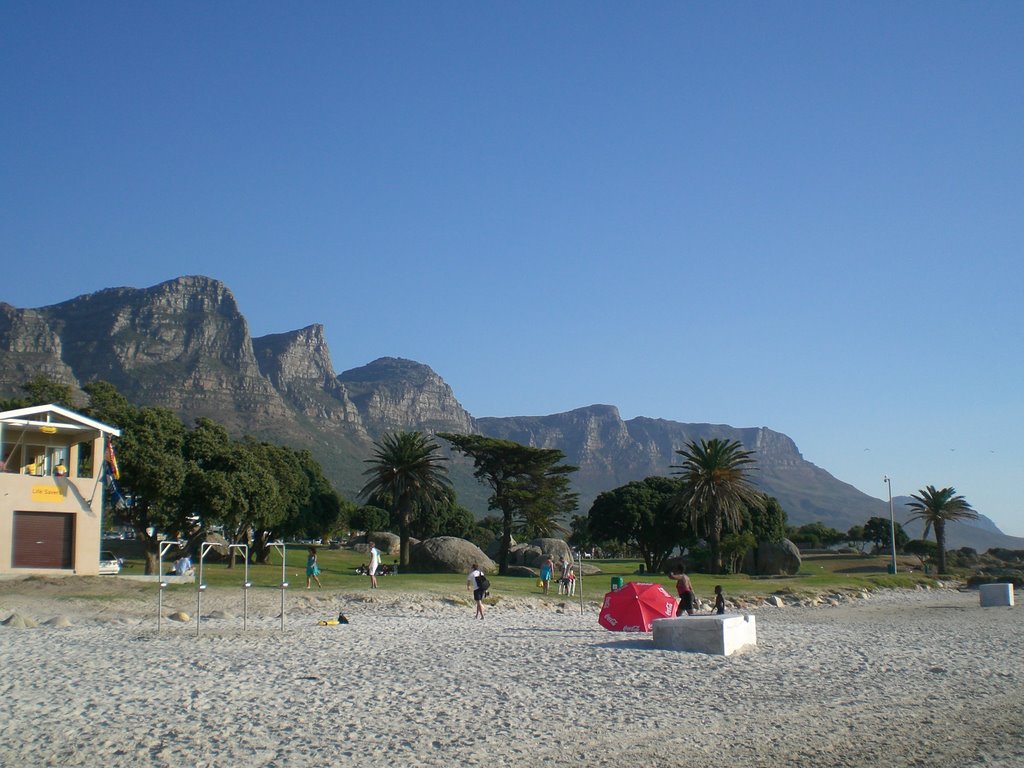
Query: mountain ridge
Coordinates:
[185,344]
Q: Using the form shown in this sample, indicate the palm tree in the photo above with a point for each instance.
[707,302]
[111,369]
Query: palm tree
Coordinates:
[406,473]
[935,509]
[716,490]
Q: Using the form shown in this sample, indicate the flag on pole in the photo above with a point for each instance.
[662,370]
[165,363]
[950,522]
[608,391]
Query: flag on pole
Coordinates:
[112,461]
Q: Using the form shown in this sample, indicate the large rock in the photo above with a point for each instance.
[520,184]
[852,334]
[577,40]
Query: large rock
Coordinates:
[493,550]
[772,558]
[522,571]
[448,554]
[556,549]
[387,543]
[525,555]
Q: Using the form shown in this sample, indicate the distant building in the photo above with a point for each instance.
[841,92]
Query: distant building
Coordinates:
[51,491]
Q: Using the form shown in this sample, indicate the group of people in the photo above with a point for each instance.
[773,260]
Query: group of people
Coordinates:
[687,599]
[566,578]
[371,570]
[477,581]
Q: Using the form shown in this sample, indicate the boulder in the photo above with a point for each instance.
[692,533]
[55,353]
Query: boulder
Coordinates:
[387,543]
[493,550]
[556,549]
[524,554]
[218,553]
[448,554]
[522,571]
[772,558]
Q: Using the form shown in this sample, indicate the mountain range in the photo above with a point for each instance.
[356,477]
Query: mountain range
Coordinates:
[185,345]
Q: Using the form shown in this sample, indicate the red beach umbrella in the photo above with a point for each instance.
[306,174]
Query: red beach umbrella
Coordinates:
[633,607]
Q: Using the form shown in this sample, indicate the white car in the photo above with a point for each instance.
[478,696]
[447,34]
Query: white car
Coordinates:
[110,564]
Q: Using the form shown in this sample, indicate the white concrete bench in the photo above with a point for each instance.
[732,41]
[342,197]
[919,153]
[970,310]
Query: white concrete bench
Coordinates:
[721,635]
[995,594]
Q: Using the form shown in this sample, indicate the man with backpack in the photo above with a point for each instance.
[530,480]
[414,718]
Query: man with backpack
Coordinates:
[478,582]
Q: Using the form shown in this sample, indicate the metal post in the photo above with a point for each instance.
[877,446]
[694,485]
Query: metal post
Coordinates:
[246,583]
[162,547]
[580,580]
[892,522]
[282,547]
[204,548]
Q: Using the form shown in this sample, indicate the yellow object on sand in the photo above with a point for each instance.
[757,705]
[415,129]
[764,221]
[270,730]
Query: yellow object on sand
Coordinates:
[329,623]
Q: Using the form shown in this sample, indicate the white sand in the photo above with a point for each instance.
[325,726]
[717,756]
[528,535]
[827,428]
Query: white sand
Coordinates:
[900,679]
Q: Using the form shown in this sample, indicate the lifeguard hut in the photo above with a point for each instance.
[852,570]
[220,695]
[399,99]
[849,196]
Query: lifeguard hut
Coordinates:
[51,491]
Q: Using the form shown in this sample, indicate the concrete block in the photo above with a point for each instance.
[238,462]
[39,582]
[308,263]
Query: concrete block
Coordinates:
[995,594]
[720,635]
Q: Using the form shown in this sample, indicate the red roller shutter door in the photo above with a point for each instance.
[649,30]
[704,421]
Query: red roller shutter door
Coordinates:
[43,540]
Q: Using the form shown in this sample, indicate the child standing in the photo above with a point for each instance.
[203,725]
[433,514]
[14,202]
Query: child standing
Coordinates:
[719,600]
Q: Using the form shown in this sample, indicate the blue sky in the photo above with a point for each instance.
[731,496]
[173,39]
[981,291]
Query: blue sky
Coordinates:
[805,216]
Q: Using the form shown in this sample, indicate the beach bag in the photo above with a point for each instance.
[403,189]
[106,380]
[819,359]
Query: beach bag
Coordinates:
[482,583]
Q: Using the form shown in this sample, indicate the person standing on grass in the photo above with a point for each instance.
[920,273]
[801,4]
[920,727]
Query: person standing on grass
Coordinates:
[374,564]
[685,590]
[313,569]
[479,592]
[563,579]
[545,573]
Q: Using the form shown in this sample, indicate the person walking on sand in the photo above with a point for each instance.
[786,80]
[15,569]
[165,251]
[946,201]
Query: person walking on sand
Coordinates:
[546,570]
[685,590]
[313,569]
[719,601]
[479,588]
[374,564]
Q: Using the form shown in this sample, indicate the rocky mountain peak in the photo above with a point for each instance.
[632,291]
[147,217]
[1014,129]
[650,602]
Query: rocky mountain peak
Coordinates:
[300,355]
[393,393]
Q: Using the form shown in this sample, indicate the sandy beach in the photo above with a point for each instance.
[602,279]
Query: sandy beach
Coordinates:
[920,678]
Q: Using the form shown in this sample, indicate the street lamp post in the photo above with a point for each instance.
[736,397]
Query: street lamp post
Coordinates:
[892,522]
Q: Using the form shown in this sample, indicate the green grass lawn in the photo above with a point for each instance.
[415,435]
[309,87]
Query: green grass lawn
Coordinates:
[818,574]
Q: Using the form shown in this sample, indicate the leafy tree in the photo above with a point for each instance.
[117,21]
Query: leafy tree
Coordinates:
[531,483]
[41,390]
[716,491]
[445,520]
[546,500]
[936,508]
[406,469]
[878,531]
[855,537]
[734,547]
[815,534]
[580,536]
[921,549]
[325,509]
[152,466]
[370,518]
[767,523]
[643,514]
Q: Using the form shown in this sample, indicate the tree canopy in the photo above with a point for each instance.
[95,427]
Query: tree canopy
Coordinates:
[176,482]
[716,491]
[406,475]
[528,485]
[642,514]
[935,508]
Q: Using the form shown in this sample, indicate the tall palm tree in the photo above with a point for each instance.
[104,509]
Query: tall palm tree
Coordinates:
[935,509]
[406,472]
[716,491]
